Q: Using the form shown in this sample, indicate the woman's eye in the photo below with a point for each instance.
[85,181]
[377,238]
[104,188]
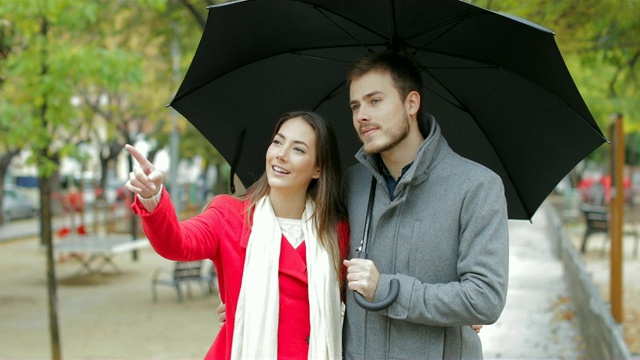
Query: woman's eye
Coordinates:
[276,141]
[300,150]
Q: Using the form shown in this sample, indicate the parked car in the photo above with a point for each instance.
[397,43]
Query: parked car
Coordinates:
[17,205]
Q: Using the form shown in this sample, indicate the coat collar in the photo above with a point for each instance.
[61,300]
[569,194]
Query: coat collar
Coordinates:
[424,162]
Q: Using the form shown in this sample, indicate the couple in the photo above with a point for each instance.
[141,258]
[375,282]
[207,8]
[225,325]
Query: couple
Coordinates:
[285,251]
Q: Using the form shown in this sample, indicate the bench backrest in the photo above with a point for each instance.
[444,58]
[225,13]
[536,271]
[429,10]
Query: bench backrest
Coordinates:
[597,217]
[187,270]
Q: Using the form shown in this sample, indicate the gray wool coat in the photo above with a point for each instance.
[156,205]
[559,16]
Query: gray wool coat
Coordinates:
[445,238]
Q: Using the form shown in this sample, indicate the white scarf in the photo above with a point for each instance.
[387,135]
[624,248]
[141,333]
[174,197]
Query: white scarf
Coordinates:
[255,335]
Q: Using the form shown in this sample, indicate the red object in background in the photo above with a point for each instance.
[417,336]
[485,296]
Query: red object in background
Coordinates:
[588,191]
[72,205]
[75,201]
[585,183]
[64,231]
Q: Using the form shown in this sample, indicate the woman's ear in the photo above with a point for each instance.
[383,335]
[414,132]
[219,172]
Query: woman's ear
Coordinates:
[316,175]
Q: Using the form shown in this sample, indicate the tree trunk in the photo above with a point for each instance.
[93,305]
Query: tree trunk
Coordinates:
[44,183]
[46,235]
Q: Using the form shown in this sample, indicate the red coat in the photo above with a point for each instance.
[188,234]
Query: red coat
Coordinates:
[221,233]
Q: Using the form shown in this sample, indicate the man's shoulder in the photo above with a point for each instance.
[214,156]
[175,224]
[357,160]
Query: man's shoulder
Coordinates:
[462,165]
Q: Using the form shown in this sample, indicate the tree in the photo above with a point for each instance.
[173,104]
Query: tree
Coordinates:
[51,61]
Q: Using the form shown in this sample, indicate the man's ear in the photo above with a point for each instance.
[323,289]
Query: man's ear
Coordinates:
[412,103]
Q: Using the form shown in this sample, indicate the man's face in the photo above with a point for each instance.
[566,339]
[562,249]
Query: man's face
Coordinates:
[379,114]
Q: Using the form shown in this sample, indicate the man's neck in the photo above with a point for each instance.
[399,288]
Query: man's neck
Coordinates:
[402,154]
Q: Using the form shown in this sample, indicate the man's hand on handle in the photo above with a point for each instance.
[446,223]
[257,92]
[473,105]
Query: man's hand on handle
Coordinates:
[362,276]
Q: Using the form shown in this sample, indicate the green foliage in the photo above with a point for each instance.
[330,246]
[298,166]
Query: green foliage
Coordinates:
[112,58]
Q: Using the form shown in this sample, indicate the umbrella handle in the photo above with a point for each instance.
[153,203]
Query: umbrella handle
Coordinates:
[394,290]
[382,304]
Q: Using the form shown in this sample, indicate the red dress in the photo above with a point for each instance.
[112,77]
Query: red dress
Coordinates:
[221,233]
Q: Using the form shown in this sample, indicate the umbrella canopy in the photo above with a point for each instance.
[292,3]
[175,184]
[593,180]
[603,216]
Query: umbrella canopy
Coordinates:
[496,84]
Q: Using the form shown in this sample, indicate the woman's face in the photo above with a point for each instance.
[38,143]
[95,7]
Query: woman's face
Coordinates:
[291,157]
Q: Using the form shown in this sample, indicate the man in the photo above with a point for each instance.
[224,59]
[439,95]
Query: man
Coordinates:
[439,226]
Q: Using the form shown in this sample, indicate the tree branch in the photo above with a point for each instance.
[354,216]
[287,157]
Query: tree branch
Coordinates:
[196,13]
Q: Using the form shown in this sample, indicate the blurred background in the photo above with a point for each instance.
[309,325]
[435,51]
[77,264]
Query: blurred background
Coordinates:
[79,79]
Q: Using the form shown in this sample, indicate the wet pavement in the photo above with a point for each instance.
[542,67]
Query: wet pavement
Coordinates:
[538,320]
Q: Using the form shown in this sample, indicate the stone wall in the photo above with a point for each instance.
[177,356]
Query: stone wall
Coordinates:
[602,334]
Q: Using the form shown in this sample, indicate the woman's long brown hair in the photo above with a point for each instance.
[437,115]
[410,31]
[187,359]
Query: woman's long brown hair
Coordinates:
[326,191]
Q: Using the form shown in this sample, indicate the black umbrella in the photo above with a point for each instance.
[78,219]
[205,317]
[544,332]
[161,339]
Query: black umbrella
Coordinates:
[496,84]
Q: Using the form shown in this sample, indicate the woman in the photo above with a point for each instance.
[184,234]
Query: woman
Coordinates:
[277,249]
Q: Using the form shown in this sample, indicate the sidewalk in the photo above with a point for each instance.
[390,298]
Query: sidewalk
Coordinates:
[111,316]
[538,321]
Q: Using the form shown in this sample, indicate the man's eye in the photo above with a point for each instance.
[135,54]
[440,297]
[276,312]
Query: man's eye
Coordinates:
[375,101]
[355,107]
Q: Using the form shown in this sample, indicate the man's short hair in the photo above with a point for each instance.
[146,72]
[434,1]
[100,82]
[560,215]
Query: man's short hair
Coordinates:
[404,72]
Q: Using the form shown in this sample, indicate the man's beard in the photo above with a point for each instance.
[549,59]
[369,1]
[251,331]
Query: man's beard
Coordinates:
[396,134]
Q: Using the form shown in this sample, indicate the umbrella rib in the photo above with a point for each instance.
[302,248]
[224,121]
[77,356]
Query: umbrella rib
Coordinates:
[301,53]
[292,52]
[394,27]
[451,24]
[323,12]
[329,95]
[457,104]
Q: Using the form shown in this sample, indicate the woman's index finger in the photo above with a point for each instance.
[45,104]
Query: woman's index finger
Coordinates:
[144,163]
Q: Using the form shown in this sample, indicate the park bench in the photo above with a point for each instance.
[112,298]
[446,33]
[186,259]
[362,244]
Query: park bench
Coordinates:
[95,252]
[597,221]
[182,275]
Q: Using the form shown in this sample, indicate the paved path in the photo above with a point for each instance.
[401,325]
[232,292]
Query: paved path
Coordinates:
[538,321]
